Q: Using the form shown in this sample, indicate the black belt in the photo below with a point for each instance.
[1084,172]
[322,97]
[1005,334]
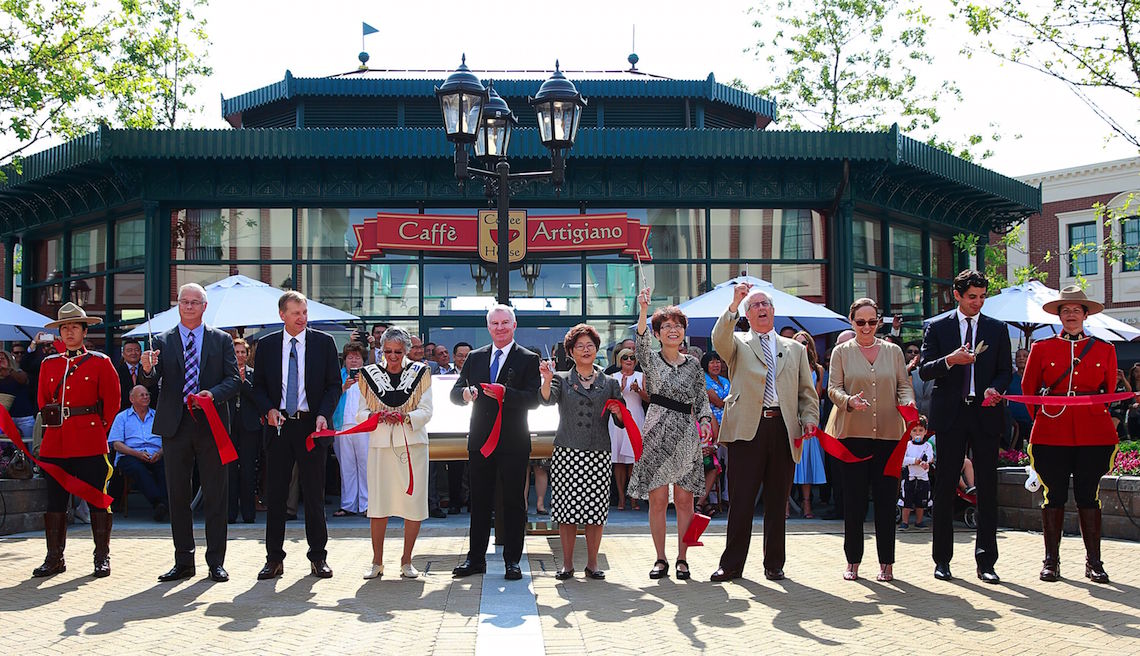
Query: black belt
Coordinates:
[77,410]
[672,404]
[300,414]
[770,413]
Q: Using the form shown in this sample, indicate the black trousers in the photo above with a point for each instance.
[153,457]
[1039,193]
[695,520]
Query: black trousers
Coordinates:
[93,470]
[765,460]
[283,452]
[191,443]
[885,492]
[508,470]
[978,429]
[1086,464]
[243,474]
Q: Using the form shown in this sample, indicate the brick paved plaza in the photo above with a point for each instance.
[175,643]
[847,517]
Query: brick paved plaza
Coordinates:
[812,611]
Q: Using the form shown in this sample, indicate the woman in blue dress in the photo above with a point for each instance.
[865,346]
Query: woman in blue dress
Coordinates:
[717,387]
[809,470]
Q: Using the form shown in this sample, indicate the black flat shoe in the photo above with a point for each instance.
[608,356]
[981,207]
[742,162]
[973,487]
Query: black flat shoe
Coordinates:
[177,573]
[596,574]
[942,572]
[774,574]
[468,568]
[722,576]
[682,574]
[988,575]
[320,569]
[514,572]
[659,572]
[271,571]
[564,574]
[218,574]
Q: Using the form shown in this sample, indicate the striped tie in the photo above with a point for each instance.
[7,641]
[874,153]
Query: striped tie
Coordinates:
[191,357]
[770,378]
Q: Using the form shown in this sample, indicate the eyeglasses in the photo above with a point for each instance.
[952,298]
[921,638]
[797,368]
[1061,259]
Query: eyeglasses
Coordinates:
[866,322]
[187,302]
[585,346]
[394,351]
[672,326]
[628,358]
[760,304]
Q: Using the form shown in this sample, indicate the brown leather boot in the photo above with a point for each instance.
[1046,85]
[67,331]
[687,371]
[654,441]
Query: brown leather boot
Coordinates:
[1052,520]
[1090,531]
[101,531]
[55,532]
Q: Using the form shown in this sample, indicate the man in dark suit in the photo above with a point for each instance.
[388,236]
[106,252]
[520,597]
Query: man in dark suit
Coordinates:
[129,371]
[195,359]
[967,355]
[516,368]
[245,430]
[296,385]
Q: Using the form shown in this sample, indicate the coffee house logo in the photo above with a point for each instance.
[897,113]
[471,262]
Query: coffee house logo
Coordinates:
[444,234]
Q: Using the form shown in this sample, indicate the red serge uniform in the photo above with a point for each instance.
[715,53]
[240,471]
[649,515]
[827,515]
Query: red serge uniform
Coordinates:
[1093,373]
[87,379]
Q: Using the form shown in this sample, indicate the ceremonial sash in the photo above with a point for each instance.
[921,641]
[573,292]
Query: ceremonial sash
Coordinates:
[630,426]
[217,428]
[495,391]
[79,488]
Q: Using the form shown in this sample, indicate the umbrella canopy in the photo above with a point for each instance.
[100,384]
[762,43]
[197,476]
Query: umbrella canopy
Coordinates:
[704,310]
[237,302]
[18,323]
[1020,307]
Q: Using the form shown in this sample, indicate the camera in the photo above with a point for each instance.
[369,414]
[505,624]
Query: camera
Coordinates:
[352,373]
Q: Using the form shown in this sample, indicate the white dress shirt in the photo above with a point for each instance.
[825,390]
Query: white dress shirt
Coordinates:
[502,358]
[774,349]
[962,337]
[302,400]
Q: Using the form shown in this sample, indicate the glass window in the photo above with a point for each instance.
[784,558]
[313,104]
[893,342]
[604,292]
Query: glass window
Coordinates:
[866,242]
[906,296]
[942,258]
[611,288]
[232,234]
[675,233]
[612,334]
[672,283]
[94,289]
[89,250]
[906,250]
[1130,232]
[277,275]
[365,288]
[943,298]
[538,288]
[868,284]
[796,234]
[47,258]
[803,280]
[129,298]
[130,242]
[1083,256]
[739,234]
[326,233]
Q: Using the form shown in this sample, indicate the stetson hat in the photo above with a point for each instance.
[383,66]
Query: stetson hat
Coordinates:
[72,313]
[1073,295]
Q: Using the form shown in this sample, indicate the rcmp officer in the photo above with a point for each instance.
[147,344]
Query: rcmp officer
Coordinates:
[1071,440]
[79,397]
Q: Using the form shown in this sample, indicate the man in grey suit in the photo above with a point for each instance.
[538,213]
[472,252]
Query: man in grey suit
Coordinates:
[194,359]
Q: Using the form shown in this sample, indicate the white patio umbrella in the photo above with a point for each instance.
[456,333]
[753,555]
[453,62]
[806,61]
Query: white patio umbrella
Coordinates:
[239,301]
[18,323]
[704,310]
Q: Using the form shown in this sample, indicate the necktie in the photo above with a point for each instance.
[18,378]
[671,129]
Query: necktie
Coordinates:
[968,376]
[190,355]
[134,374]
[292,385]
[495,365]
[770,378]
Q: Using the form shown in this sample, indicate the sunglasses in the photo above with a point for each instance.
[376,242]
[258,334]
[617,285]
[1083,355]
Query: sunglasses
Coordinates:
[866,322]
[627,357]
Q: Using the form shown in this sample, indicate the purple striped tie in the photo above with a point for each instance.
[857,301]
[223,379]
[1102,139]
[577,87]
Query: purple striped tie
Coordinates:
[191,353]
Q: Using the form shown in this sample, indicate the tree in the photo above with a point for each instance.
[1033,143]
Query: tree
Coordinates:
[1087,44]
[995,256]
[65,67]
[856,65]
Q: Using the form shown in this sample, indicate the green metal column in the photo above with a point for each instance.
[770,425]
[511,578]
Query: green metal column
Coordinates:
[9,267]
[157,289]
[841,257]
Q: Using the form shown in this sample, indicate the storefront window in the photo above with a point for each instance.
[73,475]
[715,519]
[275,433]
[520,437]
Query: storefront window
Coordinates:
[906,296]
[232,234]
[942,258]
[541,288]
[803,280]
[276,275]
[611,288]
[326,233]
[868,284]
[89,250]
[866,243]
[674,283]
[48,258]
[130,242]
[906,250]
[766,234]
[943,298]
[365,288]
[676,234]
[129,297]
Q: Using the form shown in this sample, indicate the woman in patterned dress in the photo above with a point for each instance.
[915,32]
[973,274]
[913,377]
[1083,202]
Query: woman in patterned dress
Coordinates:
[580,464]
[671,456]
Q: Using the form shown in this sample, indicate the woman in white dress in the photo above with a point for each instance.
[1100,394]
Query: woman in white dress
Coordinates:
[400,391]
[633,391]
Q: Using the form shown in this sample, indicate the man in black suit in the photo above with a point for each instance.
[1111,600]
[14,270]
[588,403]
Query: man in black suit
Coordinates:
[967,355]
[245,430]
[195,358]
[296,385]
[129,372]
[516,369]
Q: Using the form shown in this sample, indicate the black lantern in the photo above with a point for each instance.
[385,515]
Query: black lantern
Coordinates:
[53,292]
[494,134]
[559,108]
[530,272]
[479,275]
[80,292]
[461,99]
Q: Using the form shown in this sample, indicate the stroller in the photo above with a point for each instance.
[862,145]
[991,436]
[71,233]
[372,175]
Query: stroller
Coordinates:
[965,505]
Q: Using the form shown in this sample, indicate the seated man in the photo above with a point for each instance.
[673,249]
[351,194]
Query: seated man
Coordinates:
[138,451]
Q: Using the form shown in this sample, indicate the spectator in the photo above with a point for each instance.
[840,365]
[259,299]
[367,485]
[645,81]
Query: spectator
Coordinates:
[246,431]
[633,391]
[375,349]
[916,490]
[442,363]
[18,352]
[128,370]
[1133,421]
[1017,411]
[138,451]
[717,387]
[922,388]
[460,351]
[42,347]
[1119,410]
[809,470]
[788,331]
[14,383]
[416,354]
[429,352]
[615,364]
[352,449]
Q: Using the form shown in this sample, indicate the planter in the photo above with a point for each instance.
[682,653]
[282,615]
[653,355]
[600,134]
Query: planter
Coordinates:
[24,502]
[1021,509]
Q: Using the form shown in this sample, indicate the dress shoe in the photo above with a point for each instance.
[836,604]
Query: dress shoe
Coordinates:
[320,569]
[374,571]
[564,573]
[942,572]
[721,576]
[177,573]
[774,574]
[218,574]
[468,568]
[437,514]
[988,575]
[408,571]
[514,572]
[271,571]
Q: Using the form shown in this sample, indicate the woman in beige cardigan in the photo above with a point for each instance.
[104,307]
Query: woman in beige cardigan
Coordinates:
[868,379]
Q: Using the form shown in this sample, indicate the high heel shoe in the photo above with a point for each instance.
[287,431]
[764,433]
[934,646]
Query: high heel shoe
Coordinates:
[659,572]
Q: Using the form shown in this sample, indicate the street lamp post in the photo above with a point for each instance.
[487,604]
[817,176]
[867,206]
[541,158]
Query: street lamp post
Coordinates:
[474,114]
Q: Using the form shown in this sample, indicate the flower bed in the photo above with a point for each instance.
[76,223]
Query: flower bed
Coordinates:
[1127,459]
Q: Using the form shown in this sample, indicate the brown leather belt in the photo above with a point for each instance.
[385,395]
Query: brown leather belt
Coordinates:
[76,410]
[770,413]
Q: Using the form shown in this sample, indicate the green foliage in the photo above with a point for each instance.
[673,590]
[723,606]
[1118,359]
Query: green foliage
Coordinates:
[857,65]
[995,257]
[1087,44]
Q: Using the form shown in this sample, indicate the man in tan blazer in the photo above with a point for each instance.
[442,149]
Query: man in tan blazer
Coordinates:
[772,403]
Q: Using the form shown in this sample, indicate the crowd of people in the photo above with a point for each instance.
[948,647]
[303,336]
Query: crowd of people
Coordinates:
[758,418]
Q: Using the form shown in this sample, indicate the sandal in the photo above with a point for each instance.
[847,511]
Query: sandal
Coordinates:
[595,574]
[682,574]
[851,574]
[659,572]
[885,575]
[564,574]
[341,513]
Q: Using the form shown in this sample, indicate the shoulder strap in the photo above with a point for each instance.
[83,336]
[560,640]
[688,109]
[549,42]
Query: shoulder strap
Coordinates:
[69,369]
[1084,352]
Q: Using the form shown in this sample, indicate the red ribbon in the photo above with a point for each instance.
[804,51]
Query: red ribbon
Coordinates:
[79,488]
[367,426]
[217,428]
[631,428]
[1089,399]
[697,526]
[893,467]
[832,446]
[495,391]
